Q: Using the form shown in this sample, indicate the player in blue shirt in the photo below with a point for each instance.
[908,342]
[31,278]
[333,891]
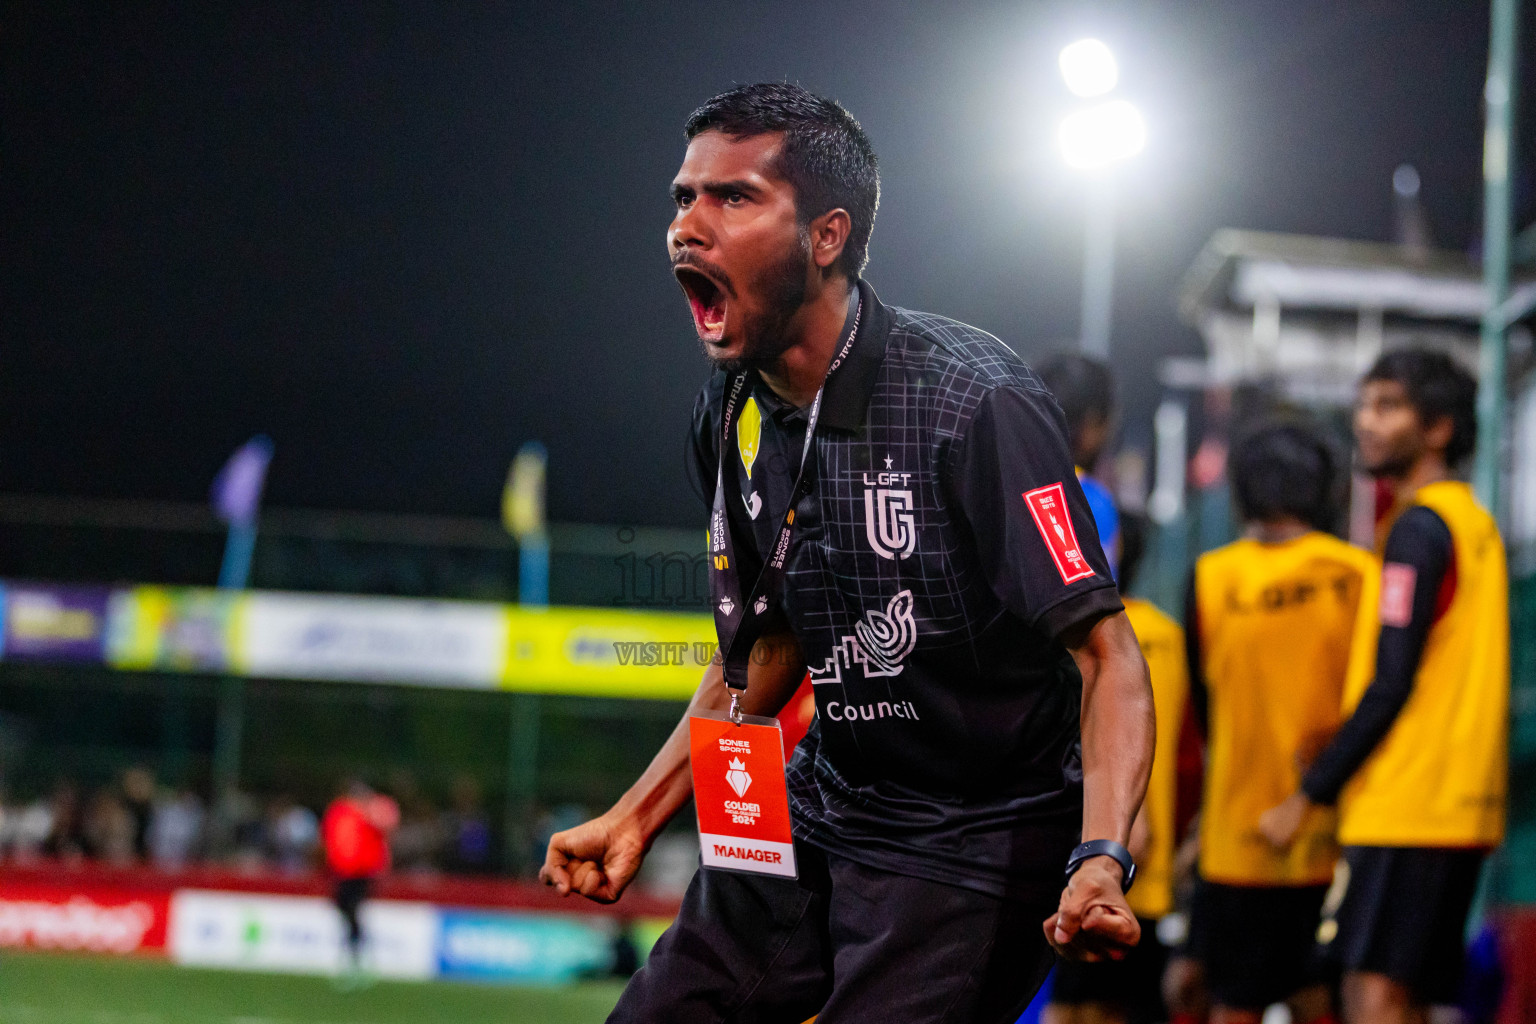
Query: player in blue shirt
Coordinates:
[1085,390]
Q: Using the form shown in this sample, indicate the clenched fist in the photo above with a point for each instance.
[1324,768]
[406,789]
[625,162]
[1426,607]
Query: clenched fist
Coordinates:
[597,859]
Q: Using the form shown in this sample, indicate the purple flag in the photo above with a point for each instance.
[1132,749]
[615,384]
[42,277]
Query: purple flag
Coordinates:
[237,488]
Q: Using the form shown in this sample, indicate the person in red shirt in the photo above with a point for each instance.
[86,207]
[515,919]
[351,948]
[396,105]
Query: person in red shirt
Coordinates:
[355,834]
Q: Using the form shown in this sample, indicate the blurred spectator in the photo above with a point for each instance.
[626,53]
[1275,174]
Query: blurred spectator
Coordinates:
[27,829]
[255,832]
[242,831]
[293,833]
[467,830]
[66,834]
[175,830]
[108,828]
[138,798]
[417,843]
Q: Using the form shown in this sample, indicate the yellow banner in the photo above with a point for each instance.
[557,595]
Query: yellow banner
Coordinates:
[601,652]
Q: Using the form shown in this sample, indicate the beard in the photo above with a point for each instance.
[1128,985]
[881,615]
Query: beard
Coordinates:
[765,336]
[1393,463]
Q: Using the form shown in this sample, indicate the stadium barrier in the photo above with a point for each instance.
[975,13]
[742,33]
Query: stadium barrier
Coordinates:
[418,928]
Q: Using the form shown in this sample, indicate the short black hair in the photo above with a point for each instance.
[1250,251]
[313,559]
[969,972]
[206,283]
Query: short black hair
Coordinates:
[1436,386]
[1083,387]
[826,157]
[1285,468]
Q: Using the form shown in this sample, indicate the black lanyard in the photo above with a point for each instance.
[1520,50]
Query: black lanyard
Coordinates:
[738,622]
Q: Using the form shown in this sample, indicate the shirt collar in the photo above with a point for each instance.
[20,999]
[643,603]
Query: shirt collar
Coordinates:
[847,396]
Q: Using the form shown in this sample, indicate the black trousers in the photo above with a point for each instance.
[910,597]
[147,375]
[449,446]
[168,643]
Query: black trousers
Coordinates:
[845,942]
[350,894]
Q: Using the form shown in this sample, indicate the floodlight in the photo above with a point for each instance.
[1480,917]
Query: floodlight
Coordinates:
[1102,135]
[1089,68]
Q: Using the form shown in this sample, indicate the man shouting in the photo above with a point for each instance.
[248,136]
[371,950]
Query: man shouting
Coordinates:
[902,485]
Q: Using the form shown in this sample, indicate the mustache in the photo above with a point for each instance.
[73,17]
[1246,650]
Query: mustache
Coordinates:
[688,258]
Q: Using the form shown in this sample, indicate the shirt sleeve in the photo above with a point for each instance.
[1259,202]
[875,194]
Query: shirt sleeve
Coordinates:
[1018,492]
[1418,560]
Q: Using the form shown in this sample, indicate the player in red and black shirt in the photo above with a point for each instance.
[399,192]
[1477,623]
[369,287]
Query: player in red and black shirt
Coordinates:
[982,704]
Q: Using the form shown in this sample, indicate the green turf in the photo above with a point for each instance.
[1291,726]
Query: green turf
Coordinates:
[58,989]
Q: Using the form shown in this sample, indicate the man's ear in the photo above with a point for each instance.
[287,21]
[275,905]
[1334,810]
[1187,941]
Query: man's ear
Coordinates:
[1437,437]
[829,234]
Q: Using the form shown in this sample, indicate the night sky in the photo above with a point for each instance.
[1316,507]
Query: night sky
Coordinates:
[403,239]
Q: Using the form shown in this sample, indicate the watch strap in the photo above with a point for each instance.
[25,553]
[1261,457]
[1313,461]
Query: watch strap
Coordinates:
[1105,848]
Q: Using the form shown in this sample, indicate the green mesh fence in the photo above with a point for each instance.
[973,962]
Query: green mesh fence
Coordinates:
[1512,874]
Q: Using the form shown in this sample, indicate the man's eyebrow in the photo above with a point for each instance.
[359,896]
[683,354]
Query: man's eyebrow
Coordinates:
[718,189]
[725,188]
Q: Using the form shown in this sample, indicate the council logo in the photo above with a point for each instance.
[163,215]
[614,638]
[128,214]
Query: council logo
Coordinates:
[880,643]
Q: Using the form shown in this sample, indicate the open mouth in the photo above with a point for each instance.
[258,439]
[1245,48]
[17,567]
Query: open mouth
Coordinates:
[706,299]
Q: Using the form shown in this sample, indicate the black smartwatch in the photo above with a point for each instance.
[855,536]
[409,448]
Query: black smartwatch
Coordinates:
[1105,848]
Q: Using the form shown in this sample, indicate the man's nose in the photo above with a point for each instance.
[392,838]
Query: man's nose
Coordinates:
[688,230]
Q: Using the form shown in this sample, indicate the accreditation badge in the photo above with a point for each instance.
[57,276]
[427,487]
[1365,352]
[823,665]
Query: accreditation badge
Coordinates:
[741,795]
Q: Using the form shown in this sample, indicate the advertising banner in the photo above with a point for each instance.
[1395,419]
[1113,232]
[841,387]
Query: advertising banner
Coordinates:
[81,918]
[598,652]
[373,639]
[184,629]
[299,934]
[489,946]
[53,622]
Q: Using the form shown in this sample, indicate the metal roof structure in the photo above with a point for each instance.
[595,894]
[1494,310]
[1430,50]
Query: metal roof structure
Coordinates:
[1309,314]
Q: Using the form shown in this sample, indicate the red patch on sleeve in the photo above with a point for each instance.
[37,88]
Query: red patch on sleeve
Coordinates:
[1397,585]
[1048,505]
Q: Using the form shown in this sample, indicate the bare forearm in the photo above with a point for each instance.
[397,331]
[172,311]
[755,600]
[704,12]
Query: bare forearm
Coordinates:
[666,784]
[1118,728]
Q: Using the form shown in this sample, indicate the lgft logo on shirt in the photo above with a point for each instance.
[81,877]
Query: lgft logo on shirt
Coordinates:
[890,522]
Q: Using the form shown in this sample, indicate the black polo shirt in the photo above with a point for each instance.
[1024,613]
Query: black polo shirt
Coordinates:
[943,550]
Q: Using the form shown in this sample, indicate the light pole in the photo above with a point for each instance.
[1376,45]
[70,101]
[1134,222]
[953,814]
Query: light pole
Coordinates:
[1498,146]
[1093,139]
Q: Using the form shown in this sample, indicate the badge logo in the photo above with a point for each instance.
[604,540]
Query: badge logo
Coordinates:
[727,606]
[737,777]
[749,434]
[1398,582]
[754,504]
[889,522]
[880,643]
[1048,506]
[761,604]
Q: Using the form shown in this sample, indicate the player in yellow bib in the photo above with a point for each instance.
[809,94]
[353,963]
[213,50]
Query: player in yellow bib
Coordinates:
[1419,769]
[1270,620]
